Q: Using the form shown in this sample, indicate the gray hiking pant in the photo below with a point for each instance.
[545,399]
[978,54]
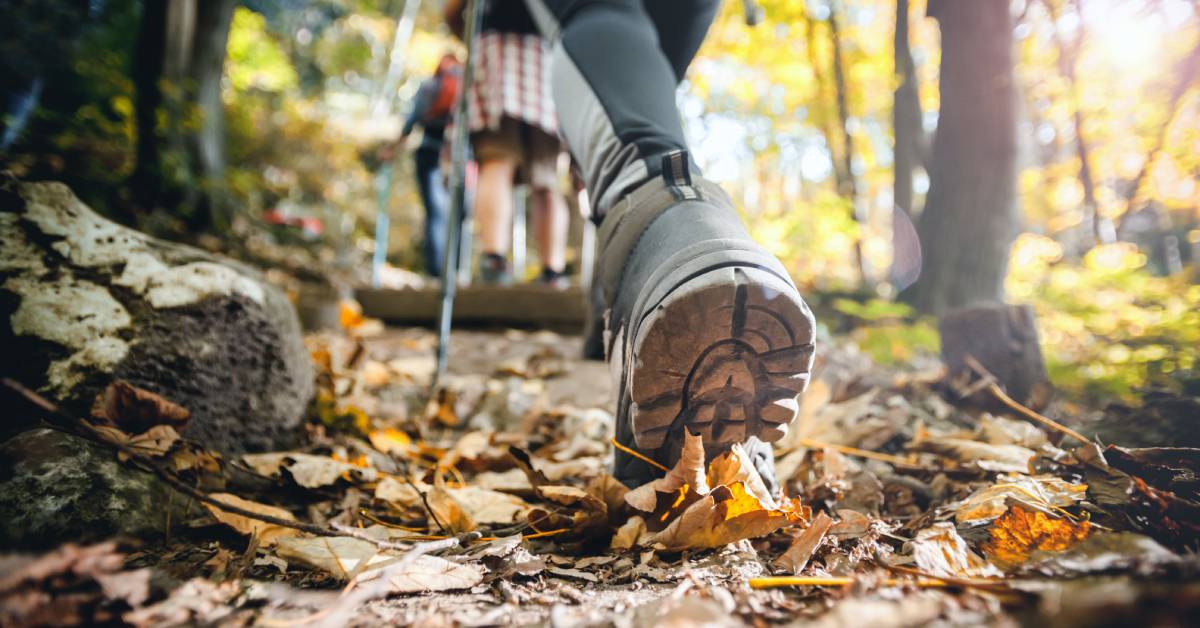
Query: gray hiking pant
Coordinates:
[615,66]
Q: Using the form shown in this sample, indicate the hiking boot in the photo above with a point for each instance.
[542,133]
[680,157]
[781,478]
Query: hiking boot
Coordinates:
[705,330]
[493,269]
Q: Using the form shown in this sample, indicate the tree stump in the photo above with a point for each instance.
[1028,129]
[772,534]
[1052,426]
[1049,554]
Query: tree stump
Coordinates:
[86,301]
[1004,339]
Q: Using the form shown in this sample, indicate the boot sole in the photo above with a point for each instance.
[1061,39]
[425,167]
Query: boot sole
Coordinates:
[725,354]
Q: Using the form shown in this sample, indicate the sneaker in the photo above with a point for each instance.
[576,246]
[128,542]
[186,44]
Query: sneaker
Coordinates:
[705,330]
[493,269]
[554,278]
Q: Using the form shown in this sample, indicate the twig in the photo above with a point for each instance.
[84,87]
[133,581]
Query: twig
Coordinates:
[1016,406]
[854,451]
[772,582]
[637,455]
[425,501]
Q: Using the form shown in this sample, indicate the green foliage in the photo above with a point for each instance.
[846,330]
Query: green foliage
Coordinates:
[888,331]
[256,60]
[1108,325]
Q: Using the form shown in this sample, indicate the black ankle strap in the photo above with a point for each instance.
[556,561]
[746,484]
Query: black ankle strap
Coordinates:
[676,171]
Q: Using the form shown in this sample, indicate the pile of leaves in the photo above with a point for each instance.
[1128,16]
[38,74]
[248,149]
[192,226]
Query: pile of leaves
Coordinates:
[898,507]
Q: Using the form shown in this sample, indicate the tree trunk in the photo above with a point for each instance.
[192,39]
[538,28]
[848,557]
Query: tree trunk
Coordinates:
[848,185]
[213,18]
[906,114]
[146,180]
[970,216]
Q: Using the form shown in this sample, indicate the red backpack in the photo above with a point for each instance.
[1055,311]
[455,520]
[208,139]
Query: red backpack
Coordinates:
[443,101]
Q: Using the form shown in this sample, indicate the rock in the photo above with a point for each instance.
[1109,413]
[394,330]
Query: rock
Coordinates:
[89,301]
[55,487]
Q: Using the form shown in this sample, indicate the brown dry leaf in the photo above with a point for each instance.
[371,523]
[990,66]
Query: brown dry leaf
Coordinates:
[629,535]
[441,408]
[154,442]
[400,493]
[1045,493]
[448,511]
[939,551]
[985,456]
[1019,532]
[135,409]
[199,602]
[191,458]
[375,374]
[342,556]
[725,515]
[485,506]
[801,550]
[308,470]
[689,471]
[430,573]
[268,533]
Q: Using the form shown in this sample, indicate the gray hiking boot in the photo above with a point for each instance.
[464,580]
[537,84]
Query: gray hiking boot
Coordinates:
[705,329]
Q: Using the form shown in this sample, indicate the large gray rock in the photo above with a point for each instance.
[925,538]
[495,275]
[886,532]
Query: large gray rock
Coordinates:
[56,488]
[86,301]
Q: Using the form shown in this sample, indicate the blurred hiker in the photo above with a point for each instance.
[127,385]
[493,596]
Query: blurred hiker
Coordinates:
[514,135]
[705,330]
[431,110]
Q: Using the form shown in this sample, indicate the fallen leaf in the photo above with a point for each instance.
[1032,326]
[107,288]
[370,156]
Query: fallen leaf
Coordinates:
[154,442]
[1019,532]
[134,409]
[342,556]
[629,535]
[447,510]
[430,573]
[485,506]
[573,573]
[724,515]
[375,374]
[939,551]
[198,601]
[268,533]
[988,457]
[391,441]
[308,470]
[688,471]
[1046,493]
[797,555]
[1102,553]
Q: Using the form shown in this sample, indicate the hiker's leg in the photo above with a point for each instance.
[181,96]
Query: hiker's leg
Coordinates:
[433,197]
[494,205]
[681,27]
[498,152]
[550,218]
[614,86]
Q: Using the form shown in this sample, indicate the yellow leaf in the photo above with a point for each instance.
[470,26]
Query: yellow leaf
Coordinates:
[390,441]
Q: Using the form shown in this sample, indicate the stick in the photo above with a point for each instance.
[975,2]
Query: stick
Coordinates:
[1016,406]
[854,451]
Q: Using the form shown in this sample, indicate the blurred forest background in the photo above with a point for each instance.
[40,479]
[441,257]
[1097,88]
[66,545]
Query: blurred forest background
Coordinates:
[1047,151]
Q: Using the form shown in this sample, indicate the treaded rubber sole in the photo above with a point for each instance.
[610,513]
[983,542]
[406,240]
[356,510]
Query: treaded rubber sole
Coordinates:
[724,355]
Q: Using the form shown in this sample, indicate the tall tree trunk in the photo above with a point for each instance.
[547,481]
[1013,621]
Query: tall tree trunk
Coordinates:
[1067,55]
[848,185]
[146,180]
[906,114]
[213,18]
[820,117]
[970,216]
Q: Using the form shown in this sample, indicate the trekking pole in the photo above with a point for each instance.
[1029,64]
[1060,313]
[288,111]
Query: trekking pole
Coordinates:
[458,190]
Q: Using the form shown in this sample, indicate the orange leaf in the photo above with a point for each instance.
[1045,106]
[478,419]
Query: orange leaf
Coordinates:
[1019,532]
